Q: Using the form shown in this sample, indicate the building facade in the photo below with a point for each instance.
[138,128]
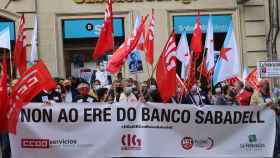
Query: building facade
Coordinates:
[68,29]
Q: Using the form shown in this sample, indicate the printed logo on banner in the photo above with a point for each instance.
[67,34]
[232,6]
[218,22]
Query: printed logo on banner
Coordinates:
[188,143]
[47,143]
[253,144]
[35,143]
[131,142]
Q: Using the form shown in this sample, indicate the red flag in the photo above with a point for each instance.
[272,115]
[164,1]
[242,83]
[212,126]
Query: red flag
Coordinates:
[106,39]
[196,42]
[252,79]
[191,74]
[204,72]
[4,98]
[20,48]
[118,58]
[166,70]
[244,98]
[33,81]
[149,41]
[232,80]
[181,86]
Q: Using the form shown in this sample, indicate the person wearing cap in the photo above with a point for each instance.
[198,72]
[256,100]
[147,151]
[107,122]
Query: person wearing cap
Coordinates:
[83,94]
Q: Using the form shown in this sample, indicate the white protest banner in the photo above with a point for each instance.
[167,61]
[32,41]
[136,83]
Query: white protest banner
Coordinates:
[143,130]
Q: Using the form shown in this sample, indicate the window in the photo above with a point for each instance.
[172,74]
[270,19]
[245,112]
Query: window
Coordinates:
[80,37]
[186,23]
[4,23]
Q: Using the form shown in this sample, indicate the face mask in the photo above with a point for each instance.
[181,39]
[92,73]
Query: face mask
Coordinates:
[133,86]
[119,89]
[84,91]
[232,94]
[58,90]
[68,87]
[101,68]
[128,90]
[98,87]
[153,87]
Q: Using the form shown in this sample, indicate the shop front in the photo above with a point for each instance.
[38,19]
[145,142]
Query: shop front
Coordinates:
[69,29]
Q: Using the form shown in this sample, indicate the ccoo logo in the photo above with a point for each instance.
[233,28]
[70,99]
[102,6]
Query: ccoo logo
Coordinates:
[35,143]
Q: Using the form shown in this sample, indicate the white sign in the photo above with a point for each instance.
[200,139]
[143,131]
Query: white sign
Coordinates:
[269,69]
[143,130]
[85,73]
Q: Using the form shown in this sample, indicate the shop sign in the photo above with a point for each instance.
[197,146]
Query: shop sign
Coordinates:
[187,23]
[11,26]
[129,1]
[269,69]
[89,28]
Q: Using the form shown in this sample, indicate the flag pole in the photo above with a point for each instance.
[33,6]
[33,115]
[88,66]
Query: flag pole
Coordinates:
[187,71]
[11,64]
[147,66]
[154,69]
[204,52]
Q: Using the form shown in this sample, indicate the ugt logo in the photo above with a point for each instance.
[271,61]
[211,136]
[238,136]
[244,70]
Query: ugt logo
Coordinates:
[131,142]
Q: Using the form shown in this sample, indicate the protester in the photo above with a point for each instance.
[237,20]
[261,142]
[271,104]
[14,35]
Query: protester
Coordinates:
[83,94]
[117,90]
[193,97]
[70,93]
[205,95]
[224,95]
[153,94]
[49,97]
[95,87]
[244,96]
[263,96]
[127,95]
[102,94]
[5,151]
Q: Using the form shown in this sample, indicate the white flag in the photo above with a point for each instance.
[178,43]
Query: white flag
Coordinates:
[209,44]
[228,65]
[34,42]
[184,71]
[5,39]
[183,50]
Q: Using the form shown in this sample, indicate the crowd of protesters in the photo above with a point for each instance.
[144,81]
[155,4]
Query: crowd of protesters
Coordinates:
[78,90]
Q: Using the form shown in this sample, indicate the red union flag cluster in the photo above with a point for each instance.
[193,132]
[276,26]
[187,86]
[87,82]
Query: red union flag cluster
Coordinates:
[4,98]
[252,79]
[149,41]
[166,69]
[106,39]
[196,43]
[20,48]
[34,80]
[121,54]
